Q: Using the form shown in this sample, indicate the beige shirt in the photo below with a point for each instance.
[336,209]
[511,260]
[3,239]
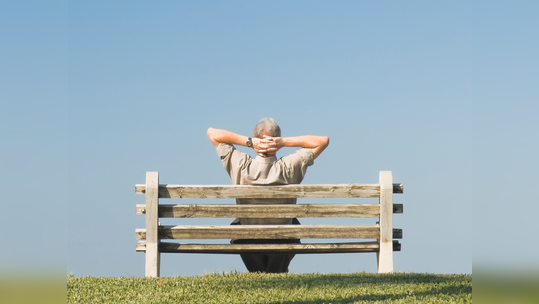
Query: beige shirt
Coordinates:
[245,170]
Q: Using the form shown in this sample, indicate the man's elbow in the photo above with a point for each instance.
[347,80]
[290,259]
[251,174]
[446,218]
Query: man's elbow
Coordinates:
[211,133]
[325,141]
[212,136]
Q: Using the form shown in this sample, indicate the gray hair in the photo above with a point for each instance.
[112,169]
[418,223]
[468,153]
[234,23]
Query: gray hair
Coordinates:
[267,126]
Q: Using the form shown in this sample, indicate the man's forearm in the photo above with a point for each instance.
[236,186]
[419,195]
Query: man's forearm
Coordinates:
[218,136]
[307,141]
[317,143]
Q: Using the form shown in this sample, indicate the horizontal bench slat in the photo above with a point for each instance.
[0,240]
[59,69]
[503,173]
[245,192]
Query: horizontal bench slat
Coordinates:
[271,211]
[285,191]
[269,232]
[269,248]
[268,211]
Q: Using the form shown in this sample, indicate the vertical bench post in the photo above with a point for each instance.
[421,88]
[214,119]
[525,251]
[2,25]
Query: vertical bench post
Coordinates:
[385,255]
[152,222]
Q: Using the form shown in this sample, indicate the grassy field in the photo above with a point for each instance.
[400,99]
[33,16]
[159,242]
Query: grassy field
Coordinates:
[274,288]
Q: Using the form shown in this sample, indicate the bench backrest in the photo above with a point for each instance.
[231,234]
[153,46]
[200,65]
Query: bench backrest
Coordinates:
[383,231]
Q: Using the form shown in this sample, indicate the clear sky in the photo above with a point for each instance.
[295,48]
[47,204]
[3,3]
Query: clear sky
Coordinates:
[95,93]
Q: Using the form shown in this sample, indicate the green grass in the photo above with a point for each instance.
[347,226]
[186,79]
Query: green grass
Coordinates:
[274,288]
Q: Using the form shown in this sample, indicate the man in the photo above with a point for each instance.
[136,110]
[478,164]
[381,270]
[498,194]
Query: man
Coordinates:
[266,169]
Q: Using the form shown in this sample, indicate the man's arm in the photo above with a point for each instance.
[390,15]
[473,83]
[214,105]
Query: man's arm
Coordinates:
[317,143]
[218,136]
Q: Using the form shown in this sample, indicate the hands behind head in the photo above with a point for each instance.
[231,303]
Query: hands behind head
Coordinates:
[267,146]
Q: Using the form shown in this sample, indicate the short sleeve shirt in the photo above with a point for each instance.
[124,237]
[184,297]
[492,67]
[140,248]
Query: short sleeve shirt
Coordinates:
[245,170]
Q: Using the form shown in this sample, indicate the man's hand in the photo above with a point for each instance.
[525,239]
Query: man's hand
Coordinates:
[259,146]
[274,143]
[268,146]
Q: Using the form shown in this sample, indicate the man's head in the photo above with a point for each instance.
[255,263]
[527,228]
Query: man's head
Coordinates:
[267,126]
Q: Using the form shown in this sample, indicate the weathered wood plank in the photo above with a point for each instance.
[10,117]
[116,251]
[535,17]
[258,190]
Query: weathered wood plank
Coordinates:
[397,234]
[269,232]
[285,191]
[245,191]
[152,202]
[164,189]
[269,248]
[141,208]
[271,211]
[140,233]
[266,232]
[385,254]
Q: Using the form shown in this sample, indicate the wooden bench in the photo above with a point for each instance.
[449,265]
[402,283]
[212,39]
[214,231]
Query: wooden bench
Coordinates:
[382,231]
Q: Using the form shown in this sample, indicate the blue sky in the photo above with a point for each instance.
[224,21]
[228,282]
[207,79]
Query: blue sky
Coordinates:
[444,94]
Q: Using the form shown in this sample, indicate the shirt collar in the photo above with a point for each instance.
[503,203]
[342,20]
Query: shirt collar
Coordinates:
[266,160]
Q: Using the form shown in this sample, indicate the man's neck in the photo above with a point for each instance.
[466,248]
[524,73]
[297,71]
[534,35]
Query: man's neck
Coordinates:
[266,160]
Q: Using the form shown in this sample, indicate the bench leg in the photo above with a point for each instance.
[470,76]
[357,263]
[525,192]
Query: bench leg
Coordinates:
[385,255]
[152,223]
